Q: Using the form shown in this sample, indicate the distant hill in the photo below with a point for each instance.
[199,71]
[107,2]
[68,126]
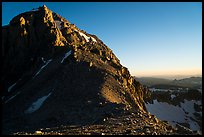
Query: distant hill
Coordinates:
[149,81]
[191,82]
[194,82]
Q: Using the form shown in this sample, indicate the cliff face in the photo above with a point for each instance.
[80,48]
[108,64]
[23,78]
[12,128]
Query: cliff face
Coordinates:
[54,73]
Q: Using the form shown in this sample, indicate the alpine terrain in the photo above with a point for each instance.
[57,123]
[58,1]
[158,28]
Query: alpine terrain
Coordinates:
[58,79]
[176,101]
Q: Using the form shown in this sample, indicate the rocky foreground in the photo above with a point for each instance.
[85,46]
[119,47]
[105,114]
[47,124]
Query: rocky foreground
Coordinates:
[128,123]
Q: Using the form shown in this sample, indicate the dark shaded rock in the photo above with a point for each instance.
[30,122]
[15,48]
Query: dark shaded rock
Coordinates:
[35,49]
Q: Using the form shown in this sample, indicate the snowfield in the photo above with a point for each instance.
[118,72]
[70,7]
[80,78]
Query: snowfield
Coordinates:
[174,114]
[37,104]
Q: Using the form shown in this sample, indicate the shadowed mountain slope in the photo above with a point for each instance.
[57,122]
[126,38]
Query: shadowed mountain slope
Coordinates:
[55,74]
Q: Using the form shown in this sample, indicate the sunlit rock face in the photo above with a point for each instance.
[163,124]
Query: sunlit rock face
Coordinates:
[54,73]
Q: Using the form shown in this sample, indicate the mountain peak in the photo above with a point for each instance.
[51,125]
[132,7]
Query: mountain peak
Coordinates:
[39,38]
[54,73]
[44,6]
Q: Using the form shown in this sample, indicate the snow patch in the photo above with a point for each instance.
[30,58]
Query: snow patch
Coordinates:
[12,97]
[165,111]
[58,23]
[93,39]
[193,125]
[158,90]
[84,35]
[188,106]
[200,90]
[43,60]
[87,38]
[37,104]
[173,96]
[9,89]
[43,67]
[166,90]
[66,55]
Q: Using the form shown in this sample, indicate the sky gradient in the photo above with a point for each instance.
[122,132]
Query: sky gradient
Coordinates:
[150,38]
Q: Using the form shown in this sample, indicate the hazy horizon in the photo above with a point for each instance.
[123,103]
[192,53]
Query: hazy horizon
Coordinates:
[170,77]
[150,38]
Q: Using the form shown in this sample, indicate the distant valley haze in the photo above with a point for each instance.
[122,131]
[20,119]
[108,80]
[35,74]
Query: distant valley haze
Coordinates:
[170,75]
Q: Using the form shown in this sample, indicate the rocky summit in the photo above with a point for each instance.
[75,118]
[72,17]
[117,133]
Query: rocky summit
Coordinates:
[58,79]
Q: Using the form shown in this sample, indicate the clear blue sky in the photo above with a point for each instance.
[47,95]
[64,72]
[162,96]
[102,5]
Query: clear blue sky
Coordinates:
[151,38]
